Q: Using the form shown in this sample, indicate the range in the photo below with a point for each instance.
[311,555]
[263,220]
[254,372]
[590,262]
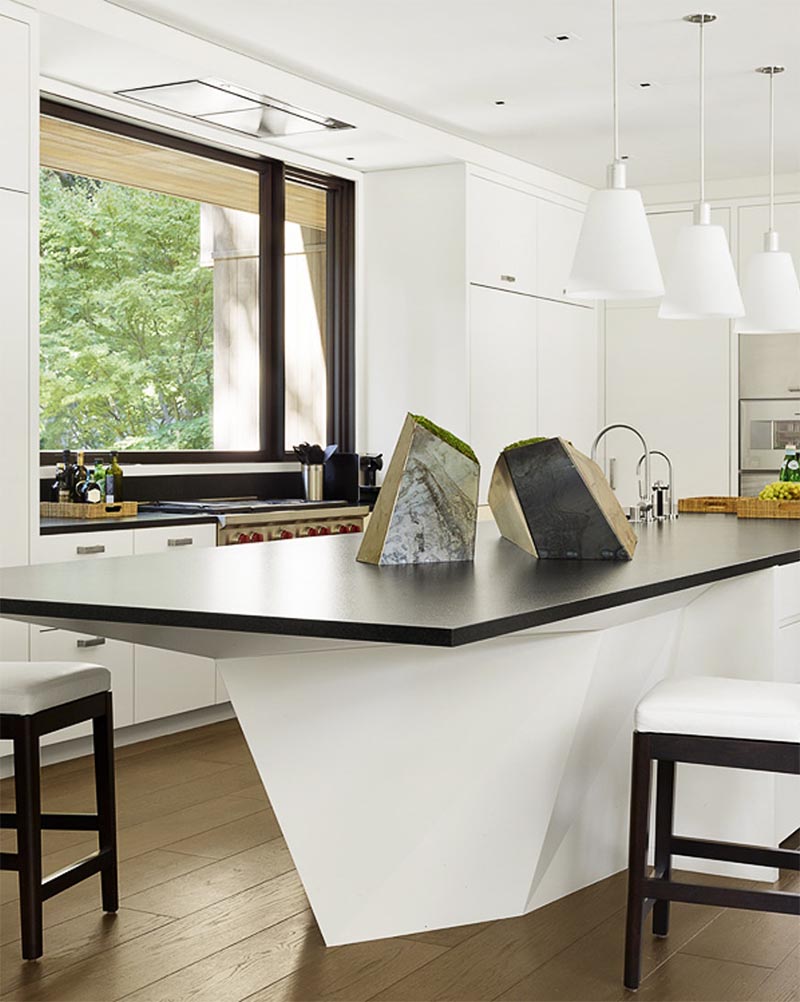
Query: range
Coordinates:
[258,520]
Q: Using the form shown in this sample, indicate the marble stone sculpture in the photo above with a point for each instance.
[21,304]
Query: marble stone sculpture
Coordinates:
[554,502]
[427,508]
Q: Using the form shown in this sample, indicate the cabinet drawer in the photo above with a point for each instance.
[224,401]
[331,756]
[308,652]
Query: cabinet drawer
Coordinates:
[168,682]
[62,645]
[501,237]
[82,546]
[174,538]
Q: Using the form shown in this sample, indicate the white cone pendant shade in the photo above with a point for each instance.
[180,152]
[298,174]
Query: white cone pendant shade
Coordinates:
[770,289]
[615,257]
[700,282]
[700,279]
[771,294]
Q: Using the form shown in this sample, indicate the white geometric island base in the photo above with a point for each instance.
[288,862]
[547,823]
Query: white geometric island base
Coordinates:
[420,788]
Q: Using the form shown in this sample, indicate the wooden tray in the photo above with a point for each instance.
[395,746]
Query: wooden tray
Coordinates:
[709,505]
[755,508]
[71,509]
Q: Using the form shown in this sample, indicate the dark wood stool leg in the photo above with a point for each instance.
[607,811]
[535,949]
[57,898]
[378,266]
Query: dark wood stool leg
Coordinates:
[29,837]
[665,805]
[637,858]
[103,735]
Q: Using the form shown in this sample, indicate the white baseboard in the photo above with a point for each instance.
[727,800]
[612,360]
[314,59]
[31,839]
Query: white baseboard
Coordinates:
[78,747]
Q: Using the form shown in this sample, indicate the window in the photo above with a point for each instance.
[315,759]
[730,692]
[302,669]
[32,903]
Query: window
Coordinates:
[194,304]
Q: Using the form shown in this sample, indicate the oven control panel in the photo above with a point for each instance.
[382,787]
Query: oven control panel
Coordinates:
[242,529]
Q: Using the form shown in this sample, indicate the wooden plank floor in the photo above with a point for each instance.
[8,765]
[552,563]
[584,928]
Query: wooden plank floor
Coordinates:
[212,909]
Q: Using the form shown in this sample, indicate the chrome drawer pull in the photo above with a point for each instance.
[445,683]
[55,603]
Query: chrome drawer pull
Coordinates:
[94,642]
[85,550]
[793,389]
[182,541]
[508,278]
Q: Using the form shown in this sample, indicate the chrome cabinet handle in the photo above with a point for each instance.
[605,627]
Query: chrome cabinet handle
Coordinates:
[508,278]
[85,550]
[793,389]
[181,541]
[94,642]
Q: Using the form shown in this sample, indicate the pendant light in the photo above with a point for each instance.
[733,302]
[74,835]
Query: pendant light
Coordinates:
[770,288]
[701,280]
[615,257]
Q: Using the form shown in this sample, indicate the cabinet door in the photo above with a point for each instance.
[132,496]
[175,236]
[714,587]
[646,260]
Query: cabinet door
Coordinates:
[15,407]
[669,379]
[502,374]
[82,546]
[557,231]
[173,539]
[501,236]
[168,682]
[568,374]
[61,645]
[15,107]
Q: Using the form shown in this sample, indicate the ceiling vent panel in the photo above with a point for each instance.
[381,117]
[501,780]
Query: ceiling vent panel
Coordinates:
[220,103]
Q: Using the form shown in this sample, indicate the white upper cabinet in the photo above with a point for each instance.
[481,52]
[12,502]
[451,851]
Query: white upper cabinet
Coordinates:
[567,372]
[15,109]
[558,228]
[503,378]
[501,223]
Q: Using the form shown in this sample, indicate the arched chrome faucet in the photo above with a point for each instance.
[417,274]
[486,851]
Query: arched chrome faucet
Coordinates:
[644,508]
[664,495]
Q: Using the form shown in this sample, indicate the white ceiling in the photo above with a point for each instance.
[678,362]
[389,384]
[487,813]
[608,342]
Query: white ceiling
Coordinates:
[446,62]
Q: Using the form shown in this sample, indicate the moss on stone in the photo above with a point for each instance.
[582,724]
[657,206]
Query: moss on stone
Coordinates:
[445,436]
[525,441]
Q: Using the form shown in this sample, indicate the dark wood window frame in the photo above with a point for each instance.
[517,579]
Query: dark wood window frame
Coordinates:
[340,322]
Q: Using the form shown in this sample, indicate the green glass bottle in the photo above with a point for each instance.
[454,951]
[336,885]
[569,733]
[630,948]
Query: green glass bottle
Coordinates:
[790,467]
[115,472]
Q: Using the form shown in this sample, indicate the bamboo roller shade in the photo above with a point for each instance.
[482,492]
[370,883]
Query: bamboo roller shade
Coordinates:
[78,149]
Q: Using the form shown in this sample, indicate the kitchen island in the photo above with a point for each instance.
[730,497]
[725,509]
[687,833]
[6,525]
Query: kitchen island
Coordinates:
[446,744]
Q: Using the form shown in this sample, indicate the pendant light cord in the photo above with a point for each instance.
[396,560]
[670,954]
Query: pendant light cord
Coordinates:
[702,113]
[615,85]
[772,151]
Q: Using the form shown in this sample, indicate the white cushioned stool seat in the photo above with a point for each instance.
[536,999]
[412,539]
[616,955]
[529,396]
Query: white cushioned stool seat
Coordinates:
[722,708]
[28,687]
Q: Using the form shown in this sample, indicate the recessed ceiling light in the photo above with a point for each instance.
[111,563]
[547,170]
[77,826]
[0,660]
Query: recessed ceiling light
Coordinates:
[349,158]
[564,36]
[499,102]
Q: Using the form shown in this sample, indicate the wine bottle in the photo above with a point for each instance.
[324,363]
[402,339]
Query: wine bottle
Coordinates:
[99,475]
[68,475]
[58,490]
[80,476]
[116,473]
[89,492]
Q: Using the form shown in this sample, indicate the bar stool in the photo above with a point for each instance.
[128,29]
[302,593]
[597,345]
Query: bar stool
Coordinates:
[729,722]
[36,699]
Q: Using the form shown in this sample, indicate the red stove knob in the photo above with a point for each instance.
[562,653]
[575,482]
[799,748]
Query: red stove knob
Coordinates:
[311,531]
[324,530]
[285,534]
[354,527]
[343,528]
[256,537]
[242,538]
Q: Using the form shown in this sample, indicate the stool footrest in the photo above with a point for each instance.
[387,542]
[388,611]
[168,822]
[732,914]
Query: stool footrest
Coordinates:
[57,822]
[75,873]
[755,855]
[783,902]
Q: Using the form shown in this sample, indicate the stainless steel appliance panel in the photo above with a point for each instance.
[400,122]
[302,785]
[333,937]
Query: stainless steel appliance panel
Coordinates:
[766,428]
[769,366]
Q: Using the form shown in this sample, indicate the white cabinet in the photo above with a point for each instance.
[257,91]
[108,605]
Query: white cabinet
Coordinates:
[82,545]
[168,682]
[14,354]
[671,380]
[567,373]
[557,230]
[15,112]
[174,538]
[501,236]
[61,645]
[503,376]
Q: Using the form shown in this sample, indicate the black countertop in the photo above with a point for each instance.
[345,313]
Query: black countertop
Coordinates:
[315,587]
[144,520]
